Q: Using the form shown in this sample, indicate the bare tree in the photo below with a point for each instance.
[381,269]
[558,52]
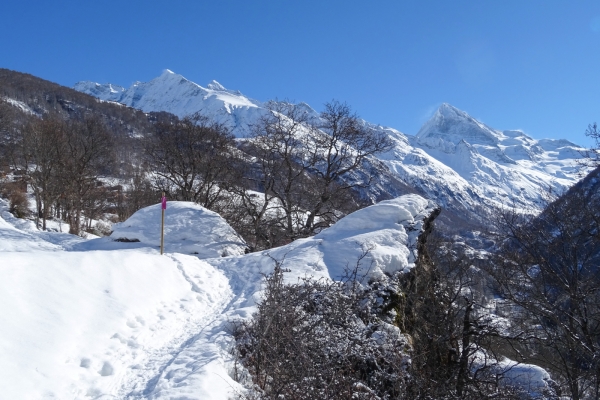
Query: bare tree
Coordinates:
[140,193]
[334,156]
[306,164]
[592,155]
[191,159]
[277,143]
[87,155]
[41,154]
[444,309]
[7,140]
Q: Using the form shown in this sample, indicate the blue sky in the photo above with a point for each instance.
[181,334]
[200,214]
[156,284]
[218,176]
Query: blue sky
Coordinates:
[529,64]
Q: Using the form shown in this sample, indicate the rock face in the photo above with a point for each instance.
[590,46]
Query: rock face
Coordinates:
[455,160]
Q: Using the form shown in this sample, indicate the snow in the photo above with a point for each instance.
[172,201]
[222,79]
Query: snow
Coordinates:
[20,105]
[381,238]
[76,323]
[17,234]
[83,319]
[529,377]
[183,233]
[454,159]
[173,93]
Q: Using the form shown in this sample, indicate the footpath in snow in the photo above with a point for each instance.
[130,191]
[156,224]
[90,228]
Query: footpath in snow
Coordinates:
[96,319]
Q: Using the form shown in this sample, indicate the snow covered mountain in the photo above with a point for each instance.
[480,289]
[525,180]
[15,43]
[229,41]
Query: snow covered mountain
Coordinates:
[173,93]
[460,161]
[454,159]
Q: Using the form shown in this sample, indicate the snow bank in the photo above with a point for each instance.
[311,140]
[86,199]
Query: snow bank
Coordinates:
[189,229]
[381,239]
[386,233]
[16,234]
[528,377]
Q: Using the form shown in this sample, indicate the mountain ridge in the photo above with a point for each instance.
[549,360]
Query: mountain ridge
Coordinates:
[454,159]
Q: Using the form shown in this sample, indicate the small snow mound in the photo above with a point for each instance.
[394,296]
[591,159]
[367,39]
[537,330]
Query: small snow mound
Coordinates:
[386,233]
[189,228]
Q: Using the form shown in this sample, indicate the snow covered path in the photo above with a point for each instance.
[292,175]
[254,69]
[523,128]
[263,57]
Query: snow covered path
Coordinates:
[99,319]
[106,319]
[103,322]
[198,366]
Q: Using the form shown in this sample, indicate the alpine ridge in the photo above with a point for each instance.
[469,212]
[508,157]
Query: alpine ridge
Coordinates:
[455,160]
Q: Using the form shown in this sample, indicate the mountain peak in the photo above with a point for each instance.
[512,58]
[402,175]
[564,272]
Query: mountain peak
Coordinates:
[214,85]
[168,76]
[167,72]
[450,124]
[448,110]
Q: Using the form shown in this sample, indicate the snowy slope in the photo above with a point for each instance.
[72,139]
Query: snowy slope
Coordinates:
[462,163]
[82,323]
[501,167]
[454,159]
[86,319]
[173,93]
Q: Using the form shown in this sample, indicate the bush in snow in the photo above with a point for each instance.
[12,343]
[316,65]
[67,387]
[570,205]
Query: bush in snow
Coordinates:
[323,340]
[18,203]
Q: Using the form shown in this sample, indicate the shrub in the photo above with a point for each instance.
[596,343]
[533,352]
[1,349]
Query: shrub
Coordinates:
[322,340]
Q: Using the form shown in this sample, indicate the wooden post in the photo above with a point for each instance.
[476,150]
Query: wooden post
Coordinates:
[163,206]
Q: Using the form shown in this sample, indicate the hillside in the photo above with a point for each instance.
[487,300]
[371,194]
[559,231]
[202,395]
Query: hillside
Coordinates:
[33,96]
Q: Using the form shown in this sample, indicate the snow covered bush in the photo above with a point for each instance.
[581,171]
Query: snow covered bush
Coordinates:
[321,339]
[102,228]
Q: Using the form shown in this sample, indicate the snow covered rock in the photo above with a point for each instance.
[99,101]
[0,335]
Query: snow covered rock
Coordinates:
[189,229]
[379,240]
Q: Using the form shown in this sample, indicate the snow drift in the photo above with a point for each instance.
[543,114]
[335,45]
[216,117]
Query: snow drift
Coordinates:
[189,229]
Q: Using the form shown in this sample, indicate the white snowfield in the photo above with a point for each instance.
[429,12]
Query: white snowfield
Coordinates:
[100,319]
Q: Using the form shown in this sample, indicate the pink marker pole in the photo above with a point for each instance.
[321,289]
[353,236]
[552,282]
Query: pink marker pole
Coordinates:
[163,202]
